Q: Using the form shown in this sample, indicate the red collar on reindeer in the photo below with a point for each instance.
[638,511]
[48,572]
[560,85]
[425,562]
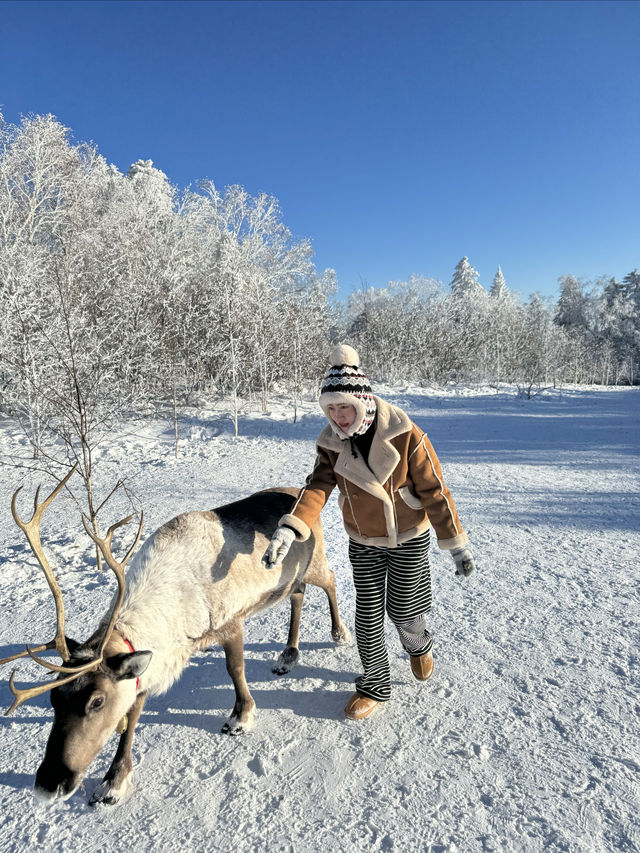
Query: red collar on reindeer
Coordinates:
[123,725]
[131,649]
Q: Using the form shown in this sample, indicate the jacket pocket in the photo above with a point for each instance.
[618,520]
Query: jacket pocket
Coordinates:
[409,498]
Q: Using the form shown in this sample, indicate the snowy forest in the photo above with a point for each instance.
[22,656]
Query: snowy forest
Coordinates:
[122,293]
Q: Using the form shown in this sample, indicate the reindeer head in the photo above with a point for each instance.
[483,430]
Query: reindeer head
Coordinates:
[87,711]
[95,686]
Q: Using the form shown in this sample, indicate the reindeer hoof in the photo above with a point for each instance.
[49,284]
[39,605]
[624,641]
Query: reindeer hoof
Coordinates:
[104,801]
[287,660]
[236,726]
[341,635]
[108,795]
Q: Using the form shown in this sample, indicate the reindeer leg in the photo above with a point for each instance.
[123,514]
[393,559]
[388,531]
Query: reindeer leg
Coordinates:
[339,632]
[241,718]
[319,574]
[114,785]
[289,656]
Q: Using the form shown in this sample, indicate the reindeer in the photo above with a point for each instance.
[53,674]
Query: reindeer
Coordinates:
[192,584]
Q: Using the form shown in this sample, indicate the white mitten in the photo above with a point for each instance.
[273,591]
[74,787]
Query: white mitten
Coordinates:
[463,558]
[279,546]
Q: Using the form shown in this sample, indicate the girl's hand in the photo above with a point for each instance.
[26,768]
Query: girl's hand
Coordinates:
[279,546]
[464,561]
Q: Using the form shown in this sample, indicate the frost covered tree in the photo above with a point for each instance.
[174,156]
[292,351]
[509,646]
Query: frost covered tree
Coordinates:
[631,287]
[307,316]
[540,356]
[499,290]
[42,177]
[503,321]
[36,166]
[631,293]
[62,371]
[405,331]
[614,329]
[469,310]
[465,283]
[178,294]
[572,309]
[258,265]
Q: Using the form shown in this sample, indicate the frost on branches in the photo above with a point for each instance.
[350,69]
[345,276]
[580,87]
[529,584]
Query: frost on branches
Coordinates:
[421,332]
[119,292]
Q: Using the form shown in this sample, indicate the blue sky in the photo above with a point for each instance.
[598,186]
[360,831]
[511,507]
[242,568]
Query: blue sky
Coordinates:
[398,136]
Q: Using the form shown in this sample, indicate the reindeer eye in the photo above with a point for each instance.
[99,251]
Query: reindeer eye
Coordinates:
[96,703]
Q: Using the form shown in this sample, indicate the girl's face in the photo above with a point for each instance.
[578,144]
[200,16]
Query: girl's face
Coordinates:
[342,414]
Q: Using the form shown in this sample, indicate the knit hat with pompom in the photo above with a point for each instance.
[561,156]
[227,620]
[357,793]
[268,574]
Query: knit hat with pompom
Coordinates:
[345,383]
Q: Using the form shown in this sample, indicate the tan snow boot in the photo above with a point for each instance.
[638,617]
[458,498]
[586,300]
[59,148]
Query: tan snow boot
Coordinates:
[422,666]
[358,707]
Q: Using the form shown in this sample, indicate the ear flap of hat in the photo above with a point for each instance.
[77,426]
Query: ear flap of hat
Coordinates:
[340,398]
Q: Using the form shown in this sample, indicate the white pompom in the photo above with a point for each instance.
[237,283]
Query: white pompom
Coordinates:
[344,354]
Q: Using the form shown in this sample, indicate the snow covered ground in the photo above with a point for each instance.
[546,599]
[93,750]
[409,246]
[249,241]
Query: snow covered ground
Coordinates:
[526,738]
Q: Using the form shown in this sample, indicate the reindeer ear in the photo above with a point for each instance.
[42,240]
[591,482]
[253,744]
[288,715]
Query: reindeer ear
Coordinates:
[129,664]
[72,644]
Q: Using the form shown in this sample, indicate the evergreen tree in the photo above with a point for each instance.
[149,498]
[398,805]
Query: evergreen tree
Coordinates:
[631,287]
[631,291]
[465,282]
[613,292]
[499,288]
[571,313]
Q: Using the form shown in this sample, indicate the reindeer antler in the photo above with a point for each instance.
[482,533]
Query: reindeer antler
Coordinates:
[30,692]
[116,567]
[32,531]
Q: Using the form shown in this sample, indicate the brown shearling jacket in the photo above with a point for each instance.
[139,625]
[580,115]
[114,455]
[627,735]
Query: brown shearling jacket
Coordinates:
[391,499]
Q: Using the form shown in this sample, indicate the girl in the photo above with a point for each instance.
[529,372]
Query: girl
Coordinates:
[391,494]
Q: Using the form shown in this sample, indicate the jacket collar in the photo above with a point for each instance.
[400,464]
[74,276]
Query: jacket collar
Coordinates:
[383,456]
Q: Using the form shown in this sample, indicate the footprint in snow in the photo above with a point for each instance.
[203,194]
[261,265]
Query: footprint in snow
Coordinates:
[480,751]
[258,766]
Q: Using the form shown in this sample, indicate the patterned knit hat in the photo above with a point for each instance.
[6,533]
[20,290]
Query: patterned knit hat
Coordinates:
[346,384]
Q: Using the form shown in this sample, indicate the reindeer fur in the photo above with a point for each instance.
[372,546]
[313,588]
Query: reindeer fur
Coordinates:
[192,584]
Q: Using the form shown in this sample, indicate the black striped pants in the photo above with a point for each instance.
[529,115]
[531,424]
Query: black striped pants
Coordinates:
[398,581]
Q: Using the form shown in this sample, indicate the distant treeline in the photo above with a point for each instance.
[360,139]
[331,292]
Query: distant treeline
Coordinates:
[119,292]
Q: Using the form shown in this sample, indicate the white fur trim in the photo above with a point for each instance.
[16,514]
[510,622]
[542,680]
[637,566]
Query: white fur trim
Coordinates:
[456,542]
[338,398]
[302,530]
[344,354]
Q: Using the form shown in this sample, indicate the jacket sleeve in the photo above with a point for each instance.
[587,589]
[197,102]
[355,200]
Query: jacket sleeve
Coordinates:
[426,475]
[320,483]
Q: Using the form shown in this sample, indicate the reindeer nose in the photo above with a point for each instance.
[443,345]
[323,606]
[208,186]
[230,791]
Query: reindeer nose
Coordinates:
[54,783]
